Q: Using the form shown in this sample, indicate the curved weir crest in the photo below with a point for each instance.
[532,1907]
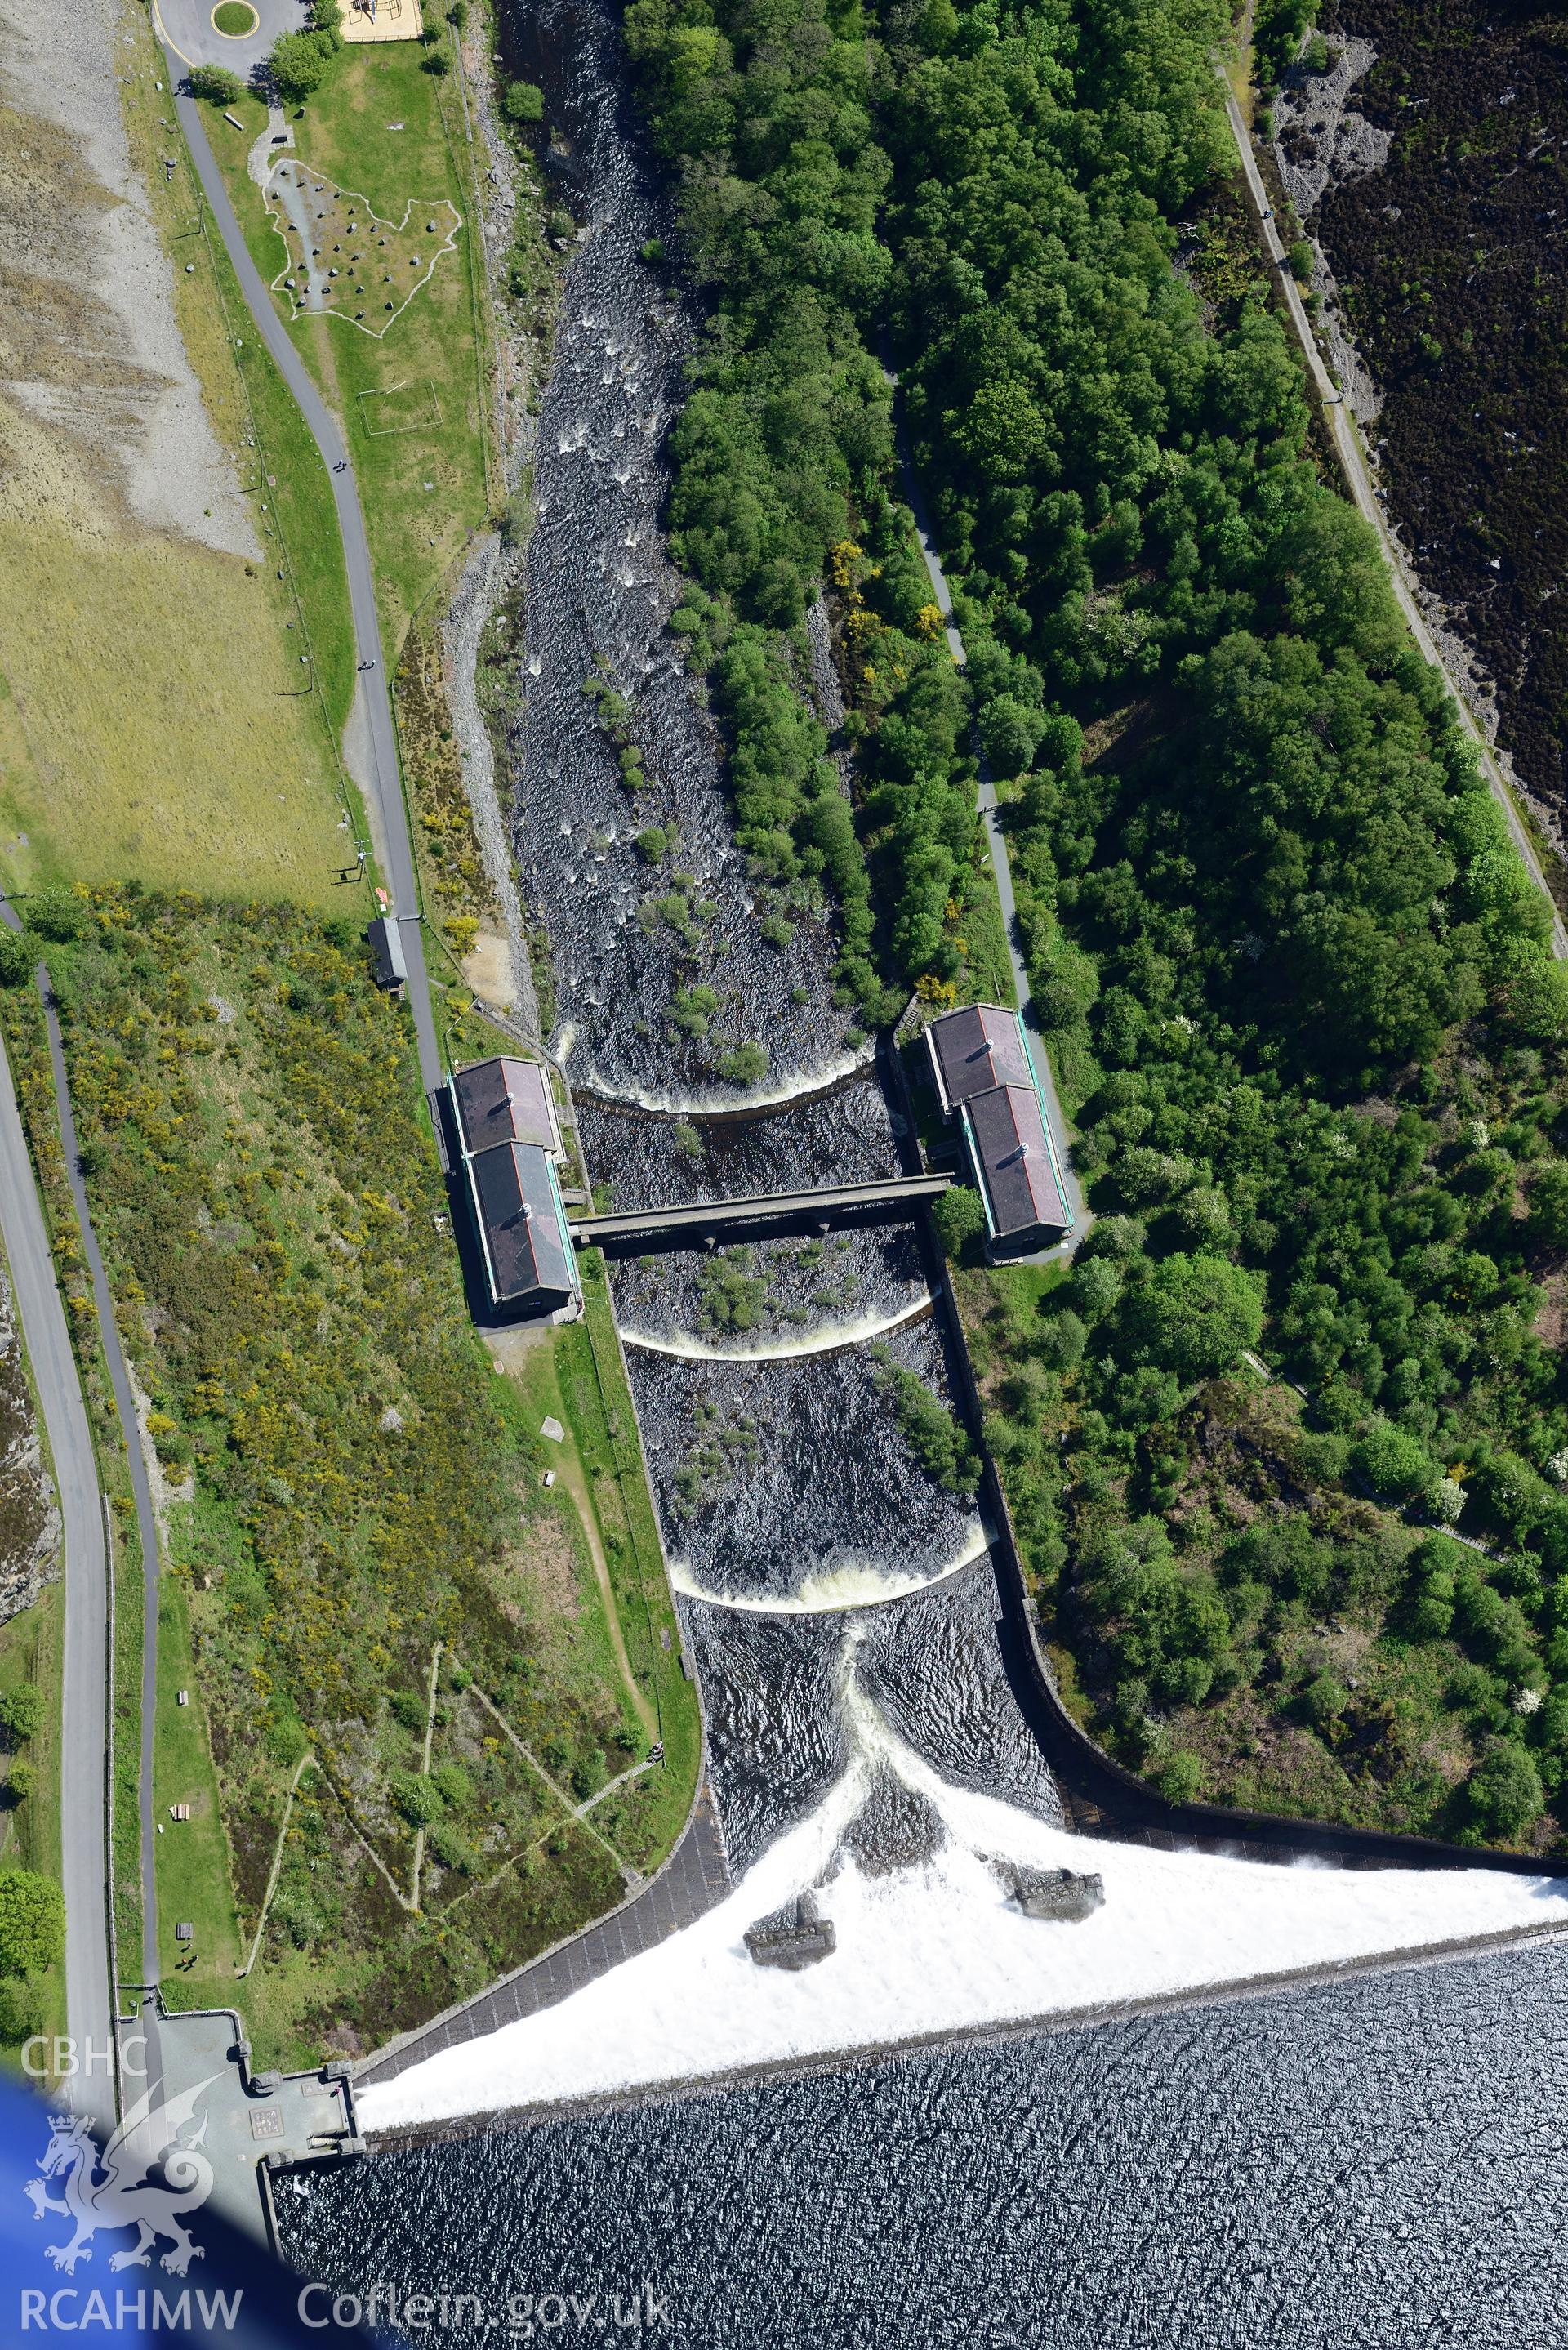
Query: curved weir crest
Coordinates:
[828,1340]
[837,1603]
[836,1589]
[787,1488]
[805,1084]
[879,1758]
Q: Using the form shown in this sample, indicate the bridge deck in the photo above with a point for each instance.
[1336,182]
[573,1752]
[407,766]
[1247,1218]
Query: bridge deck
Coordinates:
[896,1195]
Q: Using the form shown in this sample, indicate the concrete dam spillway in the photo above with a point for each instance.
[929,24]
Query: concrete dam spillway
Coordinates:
[837,1603]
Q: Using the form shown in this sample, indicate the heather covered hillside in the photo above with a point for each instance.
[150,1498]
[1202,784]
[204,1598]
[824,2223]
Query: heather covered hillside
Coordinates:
[1450,264]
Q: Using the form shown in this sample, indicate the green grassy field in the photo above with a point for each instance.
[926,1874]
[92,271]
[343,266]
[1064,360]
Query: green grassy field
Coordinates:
[156,721]
[192,1857]
[288,1293]
[577,1377]
[366,1488]
[30,1646]
[413,401]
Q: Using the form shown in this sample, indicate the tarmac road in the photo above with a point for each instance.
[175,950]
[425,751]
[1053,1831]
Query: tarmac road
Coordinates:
[188,29]
[1353,463]
[136,1465]
[384,780]
[42,1314]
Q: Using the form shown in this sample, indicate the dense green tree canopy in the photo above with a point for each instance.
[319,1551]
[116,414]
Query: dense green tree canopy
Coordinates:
[1293,974]
[31,1921]
[1194,1314]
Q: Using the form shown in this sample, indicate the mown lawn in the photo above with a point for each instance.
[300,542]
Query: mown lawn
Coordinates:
[412,401]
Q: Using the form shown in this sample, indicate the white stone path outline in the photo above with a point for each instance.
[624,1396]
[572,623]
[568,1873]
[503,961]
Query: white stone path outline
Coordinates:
[284,193]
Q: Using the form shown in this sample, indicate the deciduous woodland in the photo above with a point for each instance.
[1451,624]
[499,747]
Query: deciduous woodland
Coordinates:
[1292,973]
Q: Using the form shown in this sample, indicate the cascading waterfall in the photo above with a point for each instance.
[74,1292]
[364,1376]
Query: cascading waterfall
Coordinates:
[875,1754]
[723,1101]
[916,1868]
[826,1340]
[837,1588]
[761,1376]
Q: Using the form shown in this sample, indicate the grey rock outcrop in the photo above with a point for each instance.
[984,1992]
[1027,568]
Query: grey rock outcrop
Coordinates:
[29,1521]
[1059,1895]
[1321,141]
[794,1936]
[896,1827]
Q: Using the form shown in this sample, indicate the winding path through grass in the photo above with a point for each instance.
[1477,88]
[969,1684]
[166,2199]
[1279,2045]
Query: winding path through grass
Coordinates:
[577,1484]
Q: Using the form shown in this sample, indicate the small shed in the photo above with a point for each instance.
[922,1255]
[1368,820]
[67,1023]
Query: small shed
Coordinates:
[387,962]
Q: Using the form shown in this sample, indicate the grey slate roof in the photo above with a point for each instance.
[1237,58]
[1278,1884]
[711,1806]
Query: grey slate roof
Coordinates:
[520,1213]
[505,1100]
[1012,1162]
[386,940]
[975,1049]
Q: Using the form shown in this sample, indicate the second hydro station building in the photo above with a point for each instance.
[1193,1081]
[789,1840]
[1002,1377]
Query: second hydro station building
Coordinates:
[985,1076]
[510,1143]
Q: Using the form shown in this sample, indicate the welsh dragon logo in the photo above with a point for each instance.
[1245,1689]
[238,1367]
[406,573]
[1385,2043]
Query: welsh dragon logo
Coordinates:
[113,2190]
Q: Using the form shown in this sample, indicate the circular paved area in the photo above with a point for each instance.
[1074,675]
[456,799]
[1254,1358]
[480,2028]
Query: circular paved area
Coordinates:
[187,26]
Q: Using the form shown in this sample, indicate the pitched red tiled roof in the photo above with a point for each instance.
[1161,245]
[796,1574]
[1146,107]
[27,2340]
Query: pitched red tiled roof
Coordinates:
[978,1048]
[1013,1160]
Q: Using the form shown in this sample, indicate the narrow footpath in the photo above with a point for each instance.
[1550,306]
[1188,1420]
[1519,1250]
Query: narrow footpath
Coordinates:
[141,1486]
[996,841]
[385,778]
[1358,481]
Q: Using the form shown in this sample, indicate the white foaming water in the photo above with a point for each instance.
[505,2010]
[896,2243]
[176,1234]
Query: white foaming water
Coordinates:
[940,1948]
[726,1105]
[825,1339]
[854,1583]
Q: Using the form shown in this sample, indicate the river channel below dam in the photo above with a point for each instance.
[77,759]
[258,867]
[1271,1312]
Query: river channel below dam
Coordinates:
[789,1499]
[1359,2162]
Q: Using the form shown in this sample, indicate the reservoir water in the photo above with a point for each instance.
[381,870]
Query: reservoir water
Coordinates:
[1374,2165]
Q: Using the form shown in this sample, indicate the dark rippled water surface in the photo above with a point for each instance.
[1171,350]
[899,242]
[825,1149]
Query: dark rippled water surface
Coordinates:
[771,1475]
[1372,2167]
[847,1128]
[600,590]
[803,1292]
[1378,2164]
[767,1473]
[930,1664]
